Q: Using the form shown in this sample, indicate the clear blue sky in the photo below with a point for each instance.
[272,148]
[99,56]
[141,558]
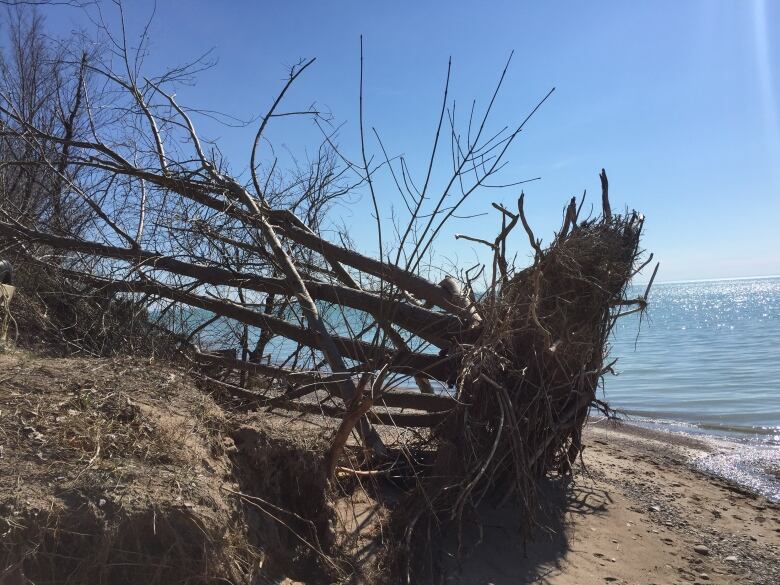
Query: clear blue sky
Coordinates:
[678,100]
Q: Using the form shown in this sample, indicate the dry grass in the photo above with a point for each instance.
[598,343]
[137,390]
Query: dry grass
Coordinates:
[59,317]
[111,472]
[124,471]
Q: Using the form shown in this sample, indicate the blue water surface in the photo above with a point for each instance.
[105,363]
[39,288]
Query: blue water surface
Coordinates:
[706,353]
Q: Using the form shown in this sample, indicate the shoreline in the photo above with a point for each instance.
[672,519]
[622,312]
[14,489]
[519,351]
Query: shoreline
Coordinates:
[744,464]
[769,435]
[638,513]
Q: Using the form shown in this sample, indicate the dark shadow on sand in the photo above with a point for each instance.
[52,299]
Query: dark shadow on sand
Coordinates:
[493,552]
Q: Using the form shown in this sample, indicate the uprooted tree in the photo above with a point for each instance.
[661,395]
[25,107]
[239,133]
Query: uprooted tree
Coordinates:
[166,224]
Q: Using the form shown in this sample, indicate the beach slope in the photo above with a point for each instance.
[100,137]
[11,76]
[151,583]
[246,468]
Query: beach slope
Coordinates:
[638,514]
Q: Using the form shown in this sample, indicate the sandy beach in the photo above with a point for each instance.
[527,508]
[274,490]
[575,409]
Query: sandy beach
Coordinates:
[638,514]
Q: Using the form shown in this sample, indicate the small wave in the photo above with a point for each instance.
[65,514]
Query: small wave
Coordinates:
[755,468]
[665,421]
[746,456]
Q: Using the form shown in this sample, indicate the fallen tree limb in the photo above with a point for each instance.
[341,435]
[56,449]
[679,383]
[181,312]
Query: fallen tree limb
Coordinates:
[435,328]
[361,404]
[402,419]
[431,365]
[312,381]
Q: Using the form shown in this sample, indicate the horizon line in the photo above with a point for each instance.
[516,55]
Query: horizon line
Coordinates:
[717,279]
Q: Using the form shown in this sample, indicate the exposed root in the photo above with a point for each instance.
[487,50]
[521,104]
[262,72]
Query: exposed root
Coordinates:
[528,381]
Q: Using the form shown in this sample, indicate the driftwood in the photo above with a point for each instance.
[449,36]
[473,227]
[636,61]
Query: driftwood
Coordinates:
[522,352]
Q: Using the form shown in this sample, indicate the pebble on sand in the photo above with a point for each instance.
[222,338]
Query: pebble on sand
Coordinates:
[701,549]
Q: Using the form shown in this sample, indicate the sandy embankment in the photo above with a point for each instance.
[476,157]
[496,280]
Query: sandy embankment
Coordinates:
[74,447]
[640,515]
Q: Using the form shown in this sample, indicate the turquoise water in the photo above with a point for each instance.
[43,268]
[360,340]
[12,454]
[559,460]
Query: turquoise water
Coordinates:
[705,357]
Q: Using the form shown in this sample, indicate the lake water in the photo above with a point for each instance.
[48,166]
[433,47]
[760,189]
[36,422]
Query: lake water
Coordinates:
[706,353]
[705,361]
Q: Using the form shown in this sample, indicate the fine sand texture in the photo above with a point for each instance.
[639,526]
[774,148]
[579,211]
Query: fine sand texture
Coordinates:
[638,514]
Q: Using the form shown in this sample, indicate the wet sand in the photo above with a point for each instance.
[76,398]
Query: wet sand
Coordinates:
[639,514]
